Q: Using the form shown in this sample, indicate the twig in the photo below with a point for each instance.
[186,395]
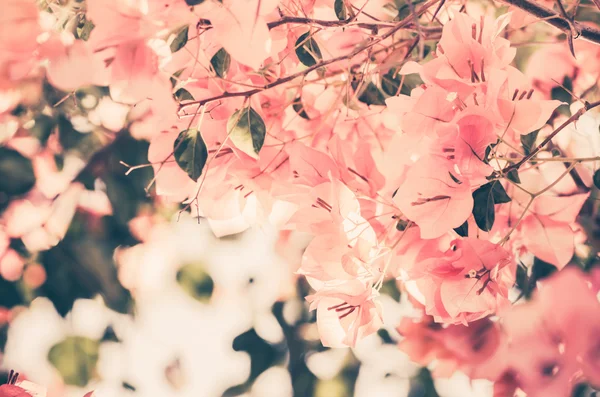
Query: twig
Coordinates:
[549,16]
[575,117]
[401,25]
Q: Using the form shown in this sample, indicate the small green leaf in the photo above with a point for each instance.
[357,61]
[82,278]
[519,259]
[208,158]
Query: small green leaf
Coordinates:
[401,225]
[75,358]
[340,10]
[247,131]
[513,175]
[183,95]
[371,95]
[597,178]
[562,94]
[220,62]
[485,198]
[84,30]
[190,152]
[308,50]
[390,83]
[16,173]
[299,108]
[180,40]
[528,141]
[42,127]
[194,280]
[463,230]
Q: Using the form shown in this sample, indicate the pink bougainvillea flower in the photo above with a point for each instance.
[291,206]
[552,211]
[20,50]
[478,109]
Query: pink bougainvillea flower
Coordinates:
[434,196]
[453,347]
[553,340]
[242,31]
[21,388]
[346,313]
[467,282]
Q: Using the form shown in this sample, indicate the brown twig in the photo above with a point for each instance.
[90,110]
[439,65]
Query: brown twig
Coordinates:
[575,117]
[400,25]
[549,16]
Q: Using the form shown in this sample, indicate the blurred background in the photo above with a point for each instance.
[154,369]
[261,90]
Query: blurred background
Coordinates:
[143,300]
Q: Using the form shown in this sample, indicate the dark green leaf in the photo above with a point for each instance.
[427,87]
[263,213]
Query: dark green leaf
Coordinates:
[528,141]
[42,128]
[180,40]
[307,50]
[68,136]
[193,2]
[390,288]
[484,200]
[75,358]
[390,83]
[82,266]
[247,131]
[463,230]
[340,10]
[385,336]
[220,62]
[562,94]
[422,385]
[194,280]
[183,95]
[401,225]
[371,95]
[299,108]
[16,173]
[513,175]
[84,30]
[499,194]
[597,178]
[190,152]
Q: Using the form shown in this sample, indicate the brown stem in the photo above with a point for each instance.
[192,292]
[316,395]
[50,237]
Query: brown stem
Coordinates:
[400,25]
[549,16]
[575,117]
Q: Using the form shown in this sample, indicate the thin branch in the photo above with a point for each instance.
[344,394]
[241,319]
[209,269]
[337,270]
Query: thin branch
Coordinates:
[575,117]
[549,16]
[401,25]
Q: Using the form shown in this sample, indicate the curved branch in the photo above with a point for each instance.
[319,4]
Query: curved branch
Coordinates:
[549,16]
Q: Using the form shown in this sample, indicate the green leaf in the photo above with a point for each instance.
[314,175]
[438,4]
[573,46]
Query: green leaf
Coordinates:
[299,108]
[194,280]
[84,30]
[340,10]
[193,2]
[75,358]
[180,40]
[513,175]
[401,225]
[561,94]
[371,95]
[485,198]
[220,62]
[183,95]
[308,50]
[42,127]
[422,384]
[528,141]
[463,230]
[390,82]
[16,173]
[247,131]
[597,178]
[190,152]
